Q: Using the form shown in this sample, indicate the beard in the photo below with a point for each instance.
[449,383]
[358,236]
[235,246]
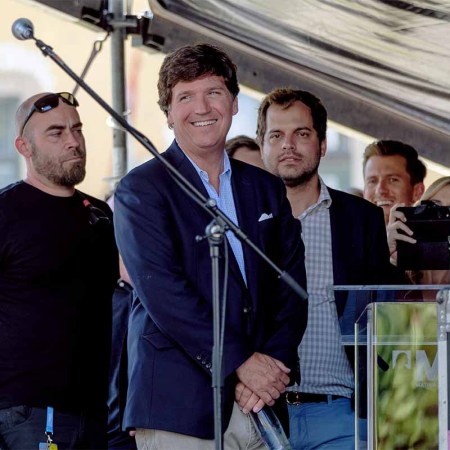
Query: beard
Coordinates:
[294,178]
[54,169]
[301,178]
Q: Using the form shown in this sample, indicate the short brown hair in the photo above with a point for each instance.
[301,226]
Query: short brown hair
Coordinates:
[240,141]
[191,62]
[414,166]
[285,97]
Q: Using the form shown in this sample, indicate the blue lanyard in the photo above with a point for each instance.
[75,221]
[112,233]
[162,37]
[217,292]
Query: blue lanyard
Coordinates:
[49,445]
[49,425]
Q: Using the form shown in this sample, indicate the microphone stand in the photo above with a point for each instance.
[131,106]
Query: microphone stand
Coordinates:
[215,234]
[208,204]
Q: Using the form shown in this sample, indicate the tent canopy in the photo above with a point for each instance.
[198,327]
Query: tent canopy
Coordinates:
[382,67]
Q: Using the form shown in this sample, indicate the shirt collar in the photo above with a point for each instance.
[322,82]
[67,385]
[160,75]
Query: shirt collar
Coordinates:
[324,200]
[324,196]
[204,175]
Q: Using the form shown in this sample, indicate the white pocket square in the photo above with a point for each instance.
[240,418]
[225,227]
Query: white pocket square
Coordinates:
[265,216]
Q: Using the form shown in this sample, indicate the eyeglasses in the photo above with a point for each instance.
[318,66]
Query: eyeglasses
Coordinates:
[49,102]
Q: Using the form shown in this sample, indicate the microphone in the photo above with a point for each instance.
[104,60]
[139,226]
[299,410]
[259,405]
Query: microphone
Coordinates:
[22,29]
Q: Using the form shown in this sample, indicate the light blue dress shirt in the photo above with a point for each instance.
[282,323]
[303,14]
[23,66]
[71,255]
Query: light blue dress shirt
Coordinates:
[225,202]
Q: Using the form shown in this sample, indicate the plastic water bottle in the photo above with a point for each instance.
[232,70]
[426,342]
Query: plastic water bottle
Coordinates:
[269,428]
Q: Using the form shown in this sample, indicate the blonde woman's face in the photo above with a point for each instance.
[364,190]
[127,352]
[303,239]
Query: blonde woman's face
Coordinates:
[442,197]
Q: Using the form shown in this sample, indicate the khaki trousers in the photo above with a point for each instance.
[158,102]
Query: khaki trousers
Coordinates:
[240,435]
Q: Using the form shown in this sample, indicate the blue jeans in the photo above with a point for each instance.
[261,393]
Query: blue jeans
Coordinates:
[315,426]
[23,428]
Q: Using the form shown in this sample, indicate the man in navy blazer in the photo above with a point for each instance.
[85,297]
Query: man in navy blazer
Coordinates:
[345,244]
[170,340]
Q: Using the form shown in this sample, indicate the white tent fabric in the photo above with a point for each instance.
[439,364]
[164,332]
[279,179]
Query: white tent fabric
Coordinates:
[396,50]
[381,67]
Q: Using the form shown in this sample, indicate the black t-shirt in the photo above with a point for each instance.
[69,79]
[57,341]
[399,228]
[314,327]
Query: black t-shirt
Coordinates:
[57,275]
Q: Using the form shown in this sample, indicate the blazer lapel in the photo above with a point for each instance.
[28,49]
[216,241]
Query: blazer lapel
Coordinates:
[341,236]
[244,199]
[179,160]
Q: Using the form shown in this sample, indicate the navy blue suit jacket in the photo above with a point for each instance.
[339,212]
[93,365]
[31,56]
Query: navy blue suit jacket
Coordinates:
[360,252]
[171,330]
[360,257]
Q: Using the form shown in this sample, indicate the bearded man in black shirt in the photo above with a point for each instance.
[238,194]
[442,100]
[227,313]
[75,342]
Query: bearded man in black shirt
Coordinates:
[58,267]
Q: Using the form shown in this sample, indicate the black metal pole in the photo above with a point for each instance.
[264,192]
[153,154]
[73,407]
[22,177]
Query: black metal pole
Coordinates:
[215,235]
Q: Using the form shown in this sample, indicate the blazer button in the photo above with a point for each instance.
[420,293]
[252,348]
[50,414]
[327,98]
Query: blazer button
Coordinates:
[247,310]
[208,365]
[203,361]
[199,357]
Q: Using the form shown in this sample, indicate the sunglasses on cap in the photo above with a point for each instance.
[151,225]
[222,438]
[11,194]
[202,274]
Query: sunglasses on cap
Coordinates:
[49,102]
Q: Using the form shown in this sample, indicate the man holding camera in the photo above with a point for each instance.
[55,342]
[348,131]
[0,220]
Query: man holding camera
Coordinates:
[393,173]
[393,177]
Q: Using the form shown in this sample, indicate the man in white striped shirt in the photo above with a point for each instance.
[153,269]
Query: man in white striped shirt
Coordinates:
[292,135]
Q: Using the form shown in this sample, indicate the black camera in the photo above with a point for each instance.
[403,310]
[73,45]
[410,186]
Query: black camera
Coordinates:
[430,224]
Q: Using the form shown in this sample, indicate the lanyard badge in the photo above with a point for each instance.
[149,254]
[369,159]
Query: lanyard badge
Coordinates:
[50,444]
